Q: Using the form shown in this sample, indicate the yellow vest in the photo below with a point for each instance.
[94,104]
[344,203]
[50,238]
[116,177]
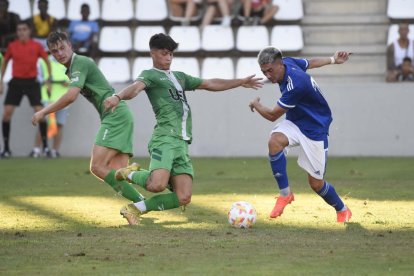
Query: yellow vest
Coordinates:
[59,79]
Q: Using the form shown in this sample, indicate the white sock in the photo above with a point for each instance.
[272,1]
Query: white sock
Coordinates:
[130,175]
[285,191]
[141,206]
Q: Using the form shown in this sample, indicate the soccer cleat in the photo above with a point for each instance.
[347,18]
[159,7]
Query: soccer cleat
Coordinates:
[131,213]
[35,153]
[344,216]
[122,173]
[5,154]
[281,203]
[47,153]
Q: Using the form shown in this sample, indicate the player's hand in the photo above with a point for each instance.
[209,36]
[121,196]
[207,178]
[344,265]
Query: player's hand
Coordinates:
[252,82]
[254,103]
[341,56]
[37,117]
[111,103]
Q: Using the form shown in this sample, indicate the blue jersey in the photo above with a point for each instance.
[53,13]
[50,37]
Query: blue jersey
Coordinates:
[301,96]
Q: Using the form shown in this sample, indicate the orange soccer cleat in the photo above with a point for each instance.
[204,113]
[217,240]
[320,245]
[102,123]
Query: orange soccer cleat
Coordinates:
[281,203]
[344,216]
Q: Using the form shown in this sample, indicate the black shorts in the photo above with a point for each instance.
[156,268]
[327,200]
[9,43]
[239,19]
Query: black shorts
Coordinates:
[20,87]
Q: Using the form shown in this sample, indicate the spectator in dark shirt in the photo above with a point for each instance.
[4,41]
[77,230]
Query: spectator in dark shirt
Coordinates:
[407,71]
[24,52]
[8,23]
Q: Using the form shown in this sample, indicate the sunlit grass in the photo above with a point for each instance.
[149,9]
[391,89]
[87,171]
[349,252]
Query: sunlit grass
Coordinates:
[34,213]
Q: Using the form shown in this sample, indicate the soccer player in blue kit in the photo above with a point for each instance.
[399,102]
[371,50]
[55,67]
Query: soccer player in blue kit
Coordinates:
[306,125]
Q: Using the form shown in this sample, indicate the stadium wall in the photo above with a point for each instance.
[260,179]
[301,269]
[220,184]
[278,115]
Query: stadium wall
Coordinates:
[370,119]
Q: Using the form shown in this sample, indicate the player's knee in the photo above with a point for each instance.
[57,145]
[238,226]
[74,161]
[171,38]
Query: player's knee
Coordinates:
[316,185]
[96,169]
[184,199]
[156,186]
[274,146]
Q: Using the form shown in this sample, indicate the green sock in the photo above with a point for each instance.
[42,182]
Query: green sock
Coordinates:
[162,202]
[123,188]
[140,178]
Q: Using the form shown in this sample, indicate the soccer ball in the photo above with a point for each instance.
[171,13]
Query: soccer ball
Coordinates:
[242,215]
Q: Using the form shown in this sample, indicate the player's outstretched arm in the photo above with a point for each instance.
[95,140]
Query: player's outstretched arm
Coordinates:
[338,58]
[67,98]
[271,114]
[217,85]
[129,92]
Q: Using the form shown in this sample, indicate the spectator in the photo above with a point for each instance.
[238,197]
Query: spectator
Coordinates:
[397,51]
[184,9]
[57,120]
[25,52]
[407,71]
[257,11]
[8,23]
[216,8]
[43,23]
[84,34]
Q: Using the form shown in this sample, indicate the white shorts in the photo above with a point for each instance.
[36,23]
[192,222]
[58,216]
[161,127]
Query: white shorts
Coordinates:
[312,154]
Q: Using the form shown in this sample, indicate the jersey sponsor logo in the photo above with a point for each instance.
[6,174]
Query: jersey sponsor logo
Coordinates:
[164,79]
[177,95]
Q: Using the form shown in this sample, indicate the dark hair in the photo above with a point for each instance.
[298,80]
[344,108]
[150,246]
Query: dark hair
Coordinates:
[269,55]
[23,22]
[407,59]
[162,41]
[55,37]
[84,5]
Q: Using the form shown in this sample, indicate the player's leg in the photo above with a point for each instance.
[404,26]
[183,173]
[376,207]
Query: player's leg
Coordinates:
[312,158]
[329,194]
[13,98]
[61,117]
[7,115]
[43,132]
[104,163]
[283,135]
[32,90]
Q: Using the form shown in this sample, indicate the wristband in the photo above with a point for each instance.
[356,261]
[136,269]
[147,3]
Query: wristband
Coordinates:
[332,60]
[115,95]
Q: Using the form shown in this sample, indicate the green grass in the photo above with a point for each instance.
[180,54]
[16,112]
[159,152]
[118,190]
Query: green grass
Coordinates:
[57,219]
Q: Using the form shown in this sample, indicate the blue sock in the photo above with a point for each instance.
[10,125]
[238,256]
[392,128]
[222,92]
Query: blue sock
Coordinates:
[329,194]
[278,165]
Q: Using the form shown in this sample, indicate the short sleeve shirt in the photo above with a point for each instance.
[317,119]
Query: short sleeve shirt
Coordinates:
[306,106]
[85,74]
[169,102]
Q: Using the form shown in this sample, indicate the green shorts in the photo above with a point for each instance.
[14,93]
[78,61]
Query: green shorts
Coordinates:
[170,153]
[116,130]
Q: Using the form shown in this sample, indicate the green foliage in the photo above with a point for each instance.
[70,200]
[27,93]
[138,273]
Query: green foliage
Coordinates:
[56,218]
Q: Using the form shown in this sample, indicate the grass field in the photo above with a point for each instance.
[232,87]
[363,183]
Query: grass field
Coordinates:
[57,219]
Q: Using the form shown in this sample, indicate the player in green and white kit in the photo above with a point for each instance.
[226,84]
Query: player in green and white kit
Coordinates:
[113,142]
[170,165]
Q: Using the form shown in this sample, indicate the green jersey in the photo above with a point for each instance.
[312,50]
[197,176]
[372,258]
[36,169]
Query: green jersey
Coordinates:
[166,92]
[85,74]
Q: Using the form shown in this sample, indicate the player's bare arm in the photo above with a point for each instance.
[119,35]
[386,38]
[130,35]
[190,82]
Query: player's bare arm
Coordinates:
[271,114]
[68,98]
[128,93]
[338,58]
[223,84]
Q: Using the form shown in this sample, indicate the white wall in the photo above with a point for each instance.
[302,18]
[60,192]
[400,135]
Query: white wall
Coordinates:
[370,119]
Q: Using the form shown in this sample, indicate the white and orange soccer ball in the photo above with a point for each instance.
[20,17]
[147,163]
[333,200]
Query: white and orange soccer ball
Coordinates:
[242,215]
